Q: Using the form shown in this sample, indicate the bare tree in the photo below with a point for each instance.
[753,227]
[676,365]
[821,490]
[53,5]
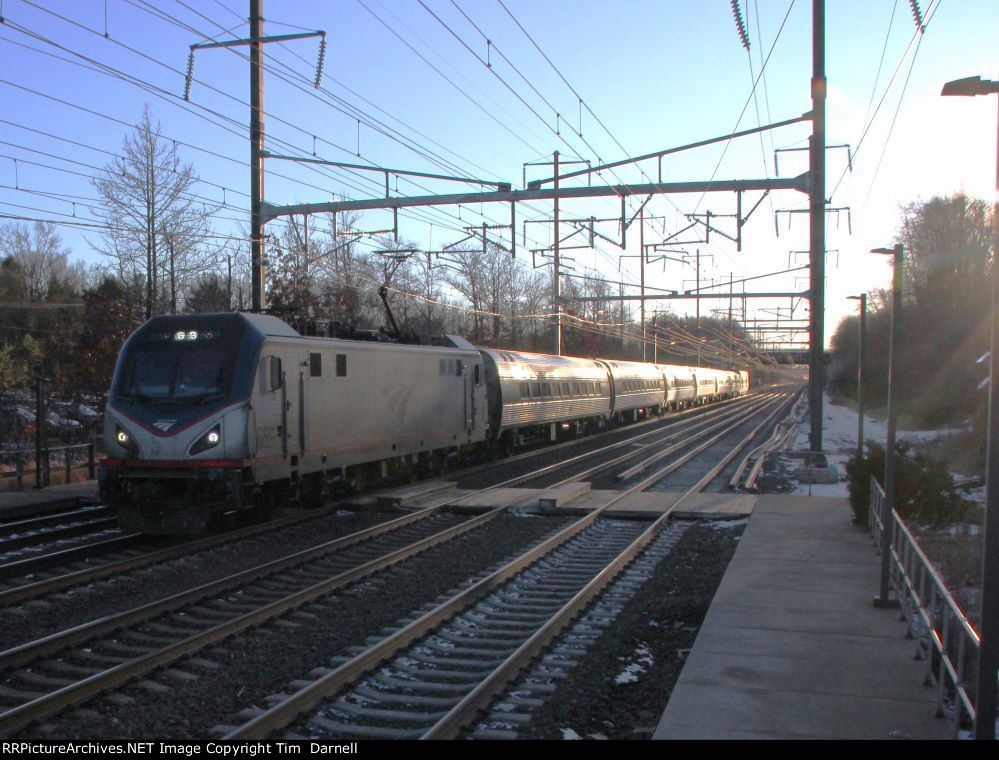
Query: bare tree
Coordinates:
[42,260]
[155,228]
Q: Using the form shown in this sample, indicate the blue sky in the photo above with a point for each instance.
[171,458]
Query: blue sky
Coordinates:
[651,75]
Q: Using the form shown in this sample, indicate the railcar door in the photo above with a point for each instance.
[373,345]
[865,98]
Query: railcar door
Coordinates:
[468,395]
[301,411]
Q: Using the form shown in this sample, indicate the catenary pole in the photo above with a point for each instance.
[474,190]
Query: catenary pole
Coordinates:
[817,238]
[256,155]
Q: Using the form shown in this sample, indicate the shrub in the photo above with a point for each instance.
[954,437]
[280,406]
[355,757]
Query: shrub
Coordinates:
[924,489]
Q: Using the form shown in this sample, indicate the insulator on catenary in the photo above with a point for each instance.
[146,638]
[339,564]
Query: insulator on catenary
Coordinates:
[321,62]
[740,24]
[190,75]
[917,15]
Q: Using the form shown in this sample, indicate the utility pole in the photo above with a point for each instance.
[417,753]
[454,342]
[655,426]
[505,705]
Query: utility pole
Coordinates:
[150,262]
[173,279]
[817,214]
[697,328]
[41,473]
[256,158]
[258,219]
[641,252]
[556,284]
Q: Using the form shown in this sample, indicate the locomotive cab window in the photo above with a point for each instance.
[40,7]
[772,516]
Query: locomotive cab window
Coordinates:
[274,373]
[341,365]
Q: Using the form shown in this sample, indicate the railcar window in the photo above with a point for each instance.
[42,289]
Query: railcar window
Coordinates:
[536,390]
[575,389]
[341,365]
[315,365]
[459,367]
[565,389]
[478,374]
[546,389]
[525,390]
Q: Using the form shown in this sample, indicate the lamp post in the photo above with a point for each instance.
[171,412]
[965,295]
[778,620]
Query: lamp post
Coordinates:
[988,629]
[861,358]
[883,598]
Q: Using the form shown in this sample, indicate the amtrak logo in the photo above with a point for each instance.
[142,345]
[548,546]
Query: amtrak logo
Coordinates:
[164,425]
[397,397]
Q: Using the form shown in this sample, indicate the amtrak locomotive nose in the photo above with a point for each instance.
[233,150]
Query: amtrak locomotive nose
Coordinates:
[175,425]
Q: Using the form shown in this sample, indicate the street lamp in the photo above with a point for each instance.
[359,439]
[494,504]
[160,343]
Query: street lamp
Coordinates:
[988,629]
[861,357]
[884,596]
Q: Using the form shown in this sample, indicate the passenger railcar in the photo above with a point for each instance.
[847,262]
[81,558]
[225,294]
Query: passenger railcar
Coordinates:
[529,394]
[639,389]
[215,413]
[681,385]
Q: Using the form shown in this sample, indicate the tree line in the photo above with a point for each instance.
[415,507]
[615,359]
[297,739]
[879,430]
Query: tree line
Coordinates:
[943,327]
[161,250]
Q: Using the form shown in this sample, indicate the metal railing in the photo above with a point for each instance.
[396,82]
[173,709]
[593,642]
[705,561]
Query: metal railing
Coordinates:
[944,635]
[21,457]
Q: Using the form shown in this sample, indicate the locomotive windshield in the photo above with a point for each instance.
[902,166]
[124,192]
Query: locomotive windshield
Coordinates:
[181,366]
[174,375]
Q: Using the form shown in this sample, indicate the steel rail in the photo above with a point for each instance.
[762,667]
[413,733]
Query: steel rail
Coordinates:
[22,567]
[42,521]
[282,713]
[58,534]
[30,591]
[758,456]
[660,455]
[452,722]
[33,590]
[685,428]
[56,701]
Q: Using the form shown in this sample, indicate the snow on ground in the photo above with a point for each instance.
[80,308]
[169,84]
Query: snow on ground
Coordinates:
[643,660]
[839,439]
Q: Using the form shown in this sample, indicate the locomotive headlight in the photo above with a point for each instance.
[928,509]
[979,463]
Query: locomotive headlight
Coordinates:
[210,439]
[125,440]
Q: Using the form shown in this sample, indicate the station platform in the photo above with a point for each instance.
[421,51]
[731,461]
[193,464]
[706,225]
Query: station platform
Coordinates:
[792,645]
[15,504]
[572,499]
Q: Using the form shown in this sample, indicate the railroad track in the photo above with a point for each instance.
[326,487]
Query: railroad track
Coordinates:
[21,537]
[439,671]
[43,677]
[34,576]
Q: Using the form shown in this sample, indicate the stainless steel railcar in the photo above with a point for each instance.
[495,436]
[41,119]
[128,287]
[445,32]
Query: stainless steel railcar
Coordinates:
[530,394]
[639,389]
[681,385]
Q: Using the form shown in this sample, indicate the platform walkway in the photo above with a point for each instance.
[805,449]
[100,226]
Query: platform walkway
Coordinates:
[14,504]
[792,646]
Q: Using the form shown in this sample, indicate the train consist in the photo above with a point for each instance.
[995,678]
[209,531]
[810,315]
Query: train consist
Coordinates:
[213,413]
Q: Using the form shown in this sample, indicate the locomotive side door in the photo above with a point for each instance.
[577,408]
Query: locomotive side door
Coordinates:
[478,397]
[467,395]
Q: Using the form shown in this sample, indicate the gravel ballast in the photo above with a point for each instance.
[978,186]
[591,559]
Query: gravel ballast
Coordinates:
[619,689]
[81,604]
[189,698]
